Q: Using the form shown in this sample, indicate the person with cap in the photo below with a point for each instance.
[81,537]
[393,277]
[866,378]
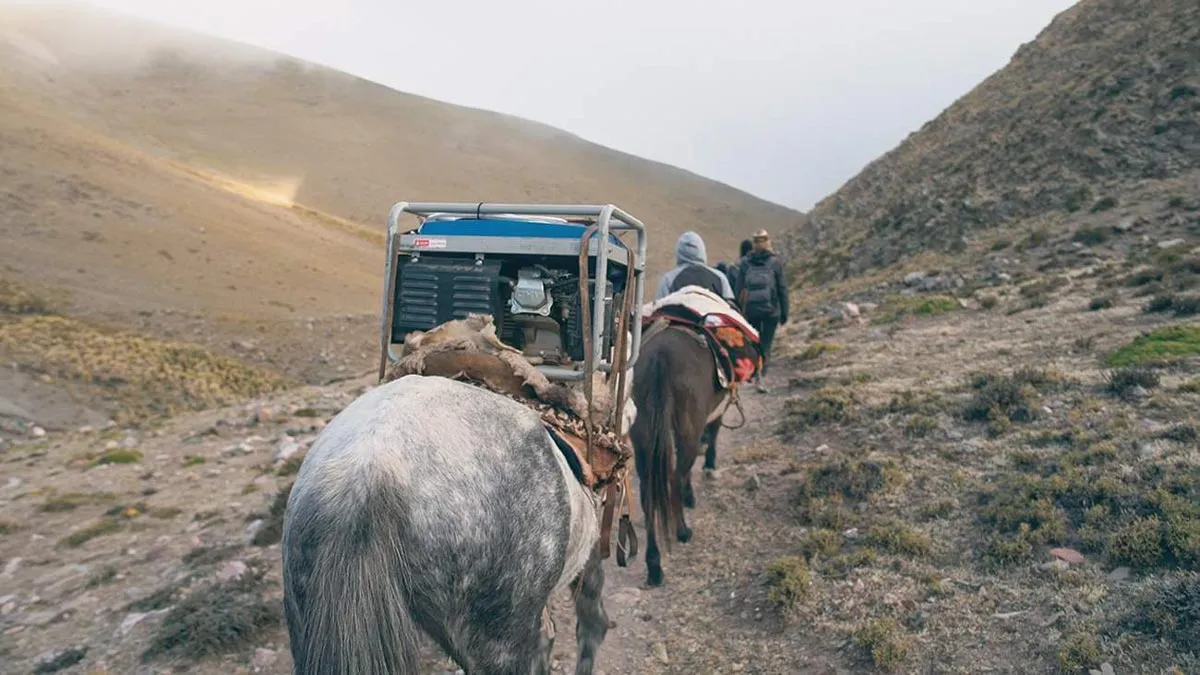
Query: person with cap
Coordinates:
[762,294]
[691,269]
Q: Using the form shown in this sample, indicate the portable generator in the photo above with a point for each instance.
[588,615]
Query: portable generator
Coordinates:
[558,280]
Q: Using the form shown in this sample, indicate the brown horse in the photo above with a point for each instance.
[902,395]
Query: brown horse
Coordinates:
[676,392]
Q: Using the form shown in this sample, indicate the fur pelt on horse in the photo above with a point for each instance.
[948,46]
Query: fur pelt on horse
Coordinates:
[469,349]
[461,342]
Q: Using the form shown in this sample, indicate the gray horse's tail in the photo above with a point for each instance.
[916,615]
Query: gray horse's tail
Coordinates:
[348,591]
[658,478]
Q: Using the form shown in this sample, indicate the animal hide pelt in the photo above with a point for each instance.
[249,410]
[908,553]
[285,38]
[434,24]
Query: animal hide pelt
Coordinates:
[469,349]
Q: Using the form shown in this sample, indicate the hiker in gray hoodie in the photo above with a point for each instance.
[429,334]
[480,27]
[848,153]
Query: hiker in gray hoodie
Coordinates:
[691,260]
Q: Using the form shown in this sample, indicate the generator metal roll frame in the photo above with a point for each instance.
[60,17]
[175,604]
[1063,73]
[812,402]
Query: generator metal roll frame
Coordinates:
[606,218]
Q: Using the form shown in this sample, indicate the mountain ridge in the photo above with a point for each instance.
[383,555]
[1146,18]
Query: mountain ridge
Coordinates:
[1100,102]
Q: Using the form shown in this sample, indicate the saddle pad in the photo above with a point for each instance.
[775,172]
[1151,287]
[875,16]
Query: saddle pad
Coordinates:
[736,358]
[703,303]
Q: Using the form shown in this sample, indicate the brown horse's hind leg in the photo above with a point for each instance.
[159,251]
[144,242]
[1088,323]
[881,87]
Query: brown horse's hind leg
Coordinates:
[654,571]
[710,451]
[709,440]
[686,448]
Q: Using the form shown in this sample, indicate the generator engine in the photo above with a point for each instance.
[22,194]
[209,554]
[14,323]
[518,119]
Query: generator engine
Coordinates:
[532,294]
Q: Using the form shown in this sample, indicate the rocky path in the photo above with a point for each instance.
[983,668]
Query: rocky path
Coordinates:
[708,616]
[711,615]
[184,502]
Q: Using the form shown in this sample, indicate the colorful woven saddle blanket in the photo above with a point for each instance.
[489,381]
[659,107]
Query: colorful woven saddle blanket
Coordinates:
[733,341]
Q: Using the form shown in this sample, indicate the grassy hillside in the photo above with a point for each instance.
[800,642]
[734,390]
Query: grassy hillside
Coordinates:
[1100,112]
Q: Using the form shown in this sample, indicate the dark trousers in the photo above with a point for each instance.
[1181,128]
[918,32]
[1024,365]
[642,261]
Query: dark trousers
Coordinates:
[765,325]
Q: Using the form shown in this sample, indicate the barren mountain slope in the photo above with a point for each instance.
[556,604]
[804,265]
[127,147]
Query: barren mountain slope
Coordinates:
[205,191]
[1099,110]
[336,143]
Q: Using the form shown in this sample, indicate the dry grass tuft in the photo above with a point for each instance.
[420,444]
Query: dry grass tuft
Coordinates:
[73,500]
[1001,400]
[1169,609]
[219,618]
[898,308]
[271,531]
[1079,651]
[828,405]
[143,377]
[17,300]
[817,349]
[1122,382]
[100,528]
[897,538]
[789,582]
[851,479]
[884,642]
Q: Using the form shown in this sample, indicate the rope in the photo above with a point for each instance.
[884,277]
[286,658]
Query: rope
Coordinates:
[736,400]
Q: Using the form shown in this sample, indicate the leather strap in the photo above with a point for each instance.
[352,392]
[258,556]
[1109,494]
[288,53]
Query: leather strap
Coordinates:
[606,520]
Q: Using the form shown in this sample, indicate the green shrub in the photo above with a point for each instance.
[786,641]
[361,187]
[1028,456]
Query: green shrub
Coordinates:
[1163,345]
[828,405]
[789,582]
[884,641]
[1139,543]
[219,618]
[1169,609]
[1122,381]
[1080,650]
[97,529]
[1091,236]
[117,457]
[896,538]
[897,308]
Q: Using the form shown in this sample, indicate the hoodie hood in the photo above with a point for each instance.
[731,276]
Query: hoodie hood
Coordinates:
[689,250]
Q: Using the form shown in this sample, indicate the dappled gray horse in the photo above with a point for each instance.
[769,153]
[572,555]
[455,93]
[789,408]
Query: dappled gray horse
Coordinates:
[437,506]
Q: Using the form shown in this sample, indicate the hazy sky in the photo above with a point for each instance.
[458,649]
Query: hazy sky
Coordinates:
[783,98]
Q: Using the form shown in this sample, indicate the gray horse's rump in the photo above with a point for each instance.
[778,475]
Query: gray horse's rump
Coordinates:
[435,502]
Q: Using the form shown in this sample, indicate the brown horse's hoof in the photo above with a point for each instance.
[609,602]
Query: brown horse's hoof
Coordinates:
[685,534]
[710,474]
[655,578]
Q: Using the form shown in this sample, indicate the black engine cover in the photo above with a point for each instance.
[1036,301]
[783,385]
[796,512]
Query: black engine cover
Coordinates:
[431,291]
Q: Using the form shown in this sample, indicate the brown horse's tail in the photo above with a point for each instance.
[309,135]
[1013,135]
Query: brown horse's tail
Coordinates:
[656,447]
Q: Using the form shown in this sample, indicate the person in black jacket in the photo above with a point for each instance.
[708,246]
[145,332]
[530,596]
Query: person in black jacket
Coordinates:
[732,269]
[762,294]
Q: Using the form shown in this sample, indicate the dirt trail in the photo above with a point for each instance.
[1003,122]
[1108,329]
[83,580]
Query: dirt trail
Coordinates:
[196,515]
[101,528]
[710,614]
